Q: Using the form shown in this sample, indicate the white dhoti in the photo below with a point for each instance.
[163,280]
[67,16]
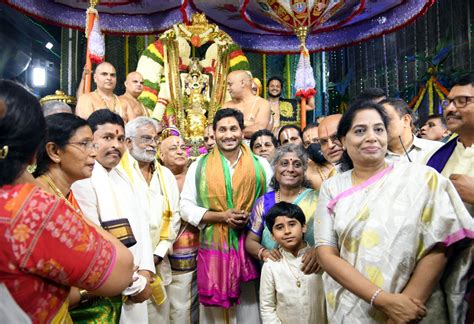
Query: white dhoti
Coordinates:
[159,313]
[247,312]
[133,313]
[182,293]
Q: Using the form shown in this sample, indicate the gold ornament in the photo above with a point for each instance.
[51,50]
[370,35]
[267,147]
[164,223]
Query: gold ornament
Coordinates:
[59,95]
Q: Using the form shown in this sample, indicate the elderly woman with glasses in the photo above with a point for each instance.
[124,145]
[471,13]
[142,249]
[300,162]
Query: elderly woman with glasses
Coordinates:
[289,165]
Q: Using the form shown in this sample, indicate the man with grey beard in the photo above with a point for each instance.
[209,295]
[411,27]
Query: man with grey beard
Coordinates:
[158,192]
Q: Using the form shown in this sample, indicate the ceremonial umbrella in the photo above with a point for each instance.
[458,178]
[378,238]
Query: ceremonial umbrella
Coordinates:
[253,24]
[266,26]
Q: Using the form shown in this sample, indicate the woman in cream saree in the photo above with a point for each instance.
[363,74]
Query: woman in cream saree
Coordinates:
[396,242]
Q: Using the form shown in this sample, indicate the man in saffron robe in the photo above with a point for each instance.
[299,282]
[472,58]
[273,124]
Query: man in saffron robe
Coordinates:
[217,197]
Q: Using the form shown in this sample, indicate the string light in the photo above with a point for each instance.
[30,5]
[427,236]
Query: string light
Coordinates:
[385,65]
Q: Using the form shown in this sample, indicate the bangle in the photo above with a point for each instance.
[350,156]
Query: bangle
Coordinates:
[84,296]
[260,252]
[376,293]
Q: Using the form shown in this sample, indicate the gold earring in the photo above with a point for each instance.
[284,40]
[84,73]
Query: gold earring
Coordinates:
[31,168]
[4,152]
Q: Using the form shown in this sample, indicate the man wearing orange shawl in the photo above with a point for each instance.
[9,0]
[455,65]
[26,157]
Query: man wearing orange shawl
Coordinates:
[218,194]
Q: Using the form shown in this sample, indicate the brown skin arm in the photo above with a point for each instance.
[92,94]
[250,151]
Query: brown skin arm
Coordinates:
[310,103]
[310,262]
[125,109]
[80,88]
[122,272]
[395,306]
[74,297]
[427,273]
[143,295]
[262,118]
[464,186]
[252,245]
[84,107]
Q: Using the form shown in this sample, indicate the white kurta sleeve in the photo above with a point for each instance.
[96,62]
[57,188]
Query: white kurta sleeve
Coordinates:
[146,259]
[268,296]
[165,246]
[190,211]
[86,197]
[267,168]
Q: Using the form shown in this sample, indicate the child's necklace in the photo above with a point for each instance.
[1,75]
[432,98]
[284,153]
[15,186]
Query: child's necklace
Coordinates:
[298,281]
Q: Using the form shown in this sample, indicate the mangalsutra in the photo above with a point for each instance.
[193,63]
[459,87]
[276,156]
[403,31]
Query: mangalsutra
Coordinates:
[58,192]
[278,197]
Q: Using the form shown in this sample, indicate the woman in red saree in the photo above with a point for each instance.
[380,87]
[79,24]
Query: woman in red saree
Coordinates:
[46,247]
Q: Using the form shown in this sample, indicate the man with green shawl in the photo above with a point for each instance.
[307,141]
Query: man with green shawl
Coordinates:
[218,194]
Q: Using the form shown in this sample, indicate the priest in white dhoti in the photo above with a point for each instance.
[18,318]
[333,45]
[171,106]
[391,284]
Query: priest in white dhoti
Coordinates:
[159,195]
[109,200]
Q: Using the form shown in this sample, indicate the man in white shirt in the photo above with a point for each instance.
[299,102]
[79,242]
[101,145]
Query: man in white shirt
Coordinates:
[456,158]
[109,196]
[402,144]
[158,193]
[218,194]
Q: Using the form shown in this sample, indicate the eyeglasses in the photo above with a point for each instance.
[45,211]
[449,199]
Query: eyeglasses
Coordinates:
[323,141]
[459,102]
[86,145]
[147,139]
[286,164]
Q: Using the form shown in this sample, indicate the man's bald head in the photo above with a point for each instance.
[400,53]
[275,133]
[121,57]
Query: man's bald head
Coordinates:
[239,82]
[134,84]
[240,75]
[329,124]
[103,66]
[327,132]
[105,77]
[173,152]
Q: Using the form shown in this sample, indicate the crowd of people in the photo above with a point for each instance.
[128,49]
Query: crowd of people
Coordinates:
[360,217]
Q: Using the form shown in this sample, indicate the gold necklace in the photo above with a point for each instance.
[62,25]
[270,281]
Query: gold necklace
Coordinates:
[58,192]
[321,174]
[298,279]
[278,197]
[105,101]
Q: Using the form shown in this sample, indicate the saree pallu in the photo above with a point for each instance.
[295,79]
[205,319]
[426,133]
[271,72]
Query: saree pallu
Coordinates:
[223,262]
[98,310]
[307,201]
[384,227]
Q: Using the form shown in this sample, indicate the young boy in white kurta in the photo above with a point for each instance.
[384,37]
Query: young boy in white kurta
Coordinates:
[287,295]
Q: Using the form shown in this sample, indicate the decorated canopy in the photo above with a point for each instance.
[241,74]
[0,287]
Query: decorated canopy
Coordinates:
[257,25]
